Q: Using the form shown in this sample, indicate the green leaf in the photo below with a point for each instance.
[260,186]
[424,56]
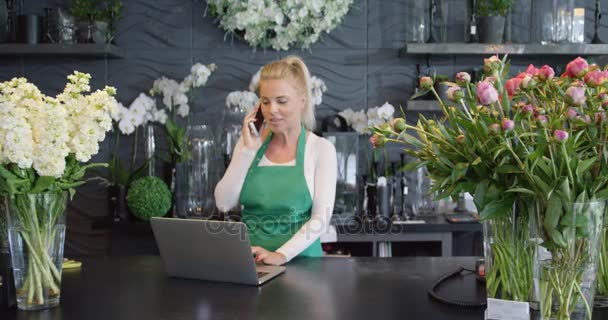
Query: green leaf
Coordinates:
[585,165]
[564,190]
[419,94]
[544,187]
[545,165]
[508,168]
[553,213]
[557,238]
[603,194]
[497,208]
[411,140]
[42,184]
[480,193]
[414,165]
[522,190]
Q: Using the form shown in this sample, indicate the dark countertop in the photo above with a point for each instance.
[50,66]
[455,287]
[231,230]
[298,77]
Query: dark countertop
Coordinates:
[329,288]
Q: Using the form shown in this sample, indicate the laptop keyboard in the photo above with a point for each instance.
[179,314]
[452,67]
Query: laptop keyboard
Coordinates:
[261,274]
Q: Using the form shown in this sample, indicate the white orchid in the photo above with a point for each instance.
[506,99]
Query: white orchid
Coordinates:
[359,122]
[317,87]
[386,111]
[175,95]
[347,114]
[243,100]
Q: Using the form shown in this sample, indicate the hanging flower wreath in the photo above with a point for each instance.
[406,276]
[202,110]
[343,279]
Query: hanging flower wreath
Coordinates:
[279,24]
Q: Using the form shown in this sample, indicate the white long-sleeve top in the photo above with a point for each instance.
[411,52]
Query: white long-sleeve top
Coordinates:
[320,171]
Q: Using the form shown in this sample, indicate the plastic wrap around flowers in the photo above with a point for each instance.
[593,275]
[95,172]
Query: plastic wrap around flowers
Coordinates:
[279,24]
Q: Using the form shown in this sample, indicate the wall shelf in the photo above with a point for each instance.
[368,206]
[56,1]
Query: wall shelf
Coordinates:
[572,49]
[92,50]
[423,105]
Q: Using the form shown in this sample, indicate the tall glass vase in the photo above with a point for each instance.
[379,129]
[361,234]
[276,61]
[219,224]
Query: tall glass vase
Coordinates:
[601,293]
[509,256]
[203,171]
[567,270]
[36,229]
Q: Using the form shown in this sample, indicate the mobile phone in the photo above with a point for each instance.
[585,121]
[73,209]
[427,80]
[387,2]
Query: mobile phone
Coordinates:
[256,125]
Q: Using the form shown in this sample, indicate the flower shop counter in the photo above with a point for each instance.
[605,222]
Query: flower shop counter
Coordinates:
[330,288]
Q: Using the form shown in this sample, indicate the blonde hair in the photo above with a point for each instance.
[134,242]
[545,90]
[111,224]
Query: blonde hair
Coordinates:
[294,69]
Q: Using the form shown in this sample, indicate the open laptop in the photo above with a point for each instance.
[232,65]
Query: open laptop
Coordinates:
[209,250]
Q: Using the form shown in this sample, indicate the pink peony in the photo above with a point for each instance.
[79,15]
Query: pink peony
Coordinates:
[398,124]
[491,64]
[527,82]
[571,114]
[596,78]
[455,93]
[463,78]
[494,128]
[527,109]
[508,125]
[575,96]
[426,83]
[512,86]
[542,120]
[533,71]
[560,135]
[377,140]
[486,93]
[546,73]
[577,68]
[600,117]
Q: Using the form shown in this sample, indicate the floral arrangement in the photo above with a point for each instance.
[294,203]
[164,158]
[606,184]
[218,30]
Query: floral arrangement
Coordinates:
[361,121]
[43,141]
[531,146]
[279,24]
[247,100]
[176,98]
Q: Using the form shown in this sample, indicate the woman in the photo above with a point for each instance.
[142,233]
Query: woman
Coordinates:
[285,178]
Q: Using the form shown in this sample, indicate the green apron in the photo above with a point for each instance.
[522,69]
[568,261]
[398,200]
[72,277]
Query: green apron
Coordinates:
[276,201]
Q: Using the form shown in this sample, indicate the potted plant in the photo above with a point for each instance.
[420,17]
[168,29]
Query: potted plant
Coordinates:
[105,25]
[85,12]
[491,19]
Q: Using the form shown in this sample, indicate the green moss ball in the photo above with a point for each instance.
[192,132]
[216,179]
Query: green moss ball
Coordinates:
[149,197]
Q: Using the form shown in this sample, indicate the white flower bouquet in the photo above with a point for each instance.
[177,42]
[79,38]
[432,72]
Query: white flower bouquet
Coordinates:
[43,141]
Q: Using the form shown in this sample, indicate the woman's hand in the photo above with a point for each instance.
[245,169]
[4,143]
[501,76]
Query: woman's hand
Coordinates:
[249,139]
[268,257]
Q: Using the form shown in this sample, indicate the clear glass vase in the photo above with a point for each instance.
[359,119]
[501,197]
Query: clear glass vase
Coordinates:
[36,231]
[509,256]
[567,271]
[203,169]
[601,293]
[347,146]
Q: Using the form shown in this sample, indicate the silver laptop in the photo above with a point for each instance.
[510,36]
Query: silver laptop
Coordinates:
[209,250]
